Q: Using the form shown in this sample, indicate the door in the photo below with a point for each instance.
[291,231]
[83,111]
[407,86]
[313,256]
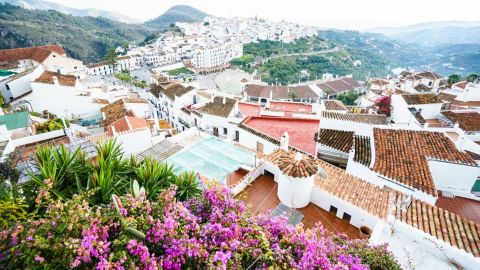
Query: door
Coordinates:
[260,147]
[237,135]
[215,131]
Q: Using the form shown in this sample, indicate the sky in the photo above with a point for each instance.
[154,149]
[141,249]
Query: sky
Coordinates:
[343,14]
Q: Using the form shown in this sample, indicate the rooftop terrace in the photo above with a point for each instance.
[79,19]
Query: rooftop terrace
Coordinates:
[261,195]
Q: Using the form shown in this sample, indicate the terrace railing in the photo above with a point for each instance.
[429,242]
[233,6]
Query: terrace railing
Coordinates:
[247,179]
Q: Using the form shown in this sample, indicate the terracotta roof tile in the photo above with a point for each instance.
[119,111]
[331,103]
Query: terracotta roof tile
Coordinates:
[402,155]
[373,119]
[127,123]
[65,80]
[360,193]
[218,108]
[279,91]
[416,99]
[468,121]
[288,163]
[171,90]
[39,53]
[363,150]
[336,139]
[442,224]
[334,105]
[115,111]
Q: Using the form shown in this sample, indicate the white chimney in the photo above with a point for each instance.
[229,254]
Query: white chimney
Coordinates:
[284,141]
[55,80]
[271,94]
[224,101]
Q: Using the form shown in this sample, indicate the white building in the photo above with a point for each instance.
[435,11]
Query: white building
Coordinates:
[104,68]
[17,85]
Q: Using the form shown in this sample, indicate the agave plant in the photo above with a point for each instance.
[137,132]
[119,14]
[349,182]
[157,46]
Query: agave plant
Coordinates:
[111,172]
[187,186]
[154,177]
[62,167]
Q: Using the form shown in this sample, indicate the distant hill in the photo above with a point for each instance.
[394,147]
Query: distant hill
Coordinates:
[84,38]
[435,33]
[179,13]
[46,5]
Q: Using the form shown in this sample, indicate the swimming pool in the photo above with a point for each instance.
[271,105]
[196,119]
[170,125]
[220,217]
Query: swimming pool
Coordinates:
[212,158]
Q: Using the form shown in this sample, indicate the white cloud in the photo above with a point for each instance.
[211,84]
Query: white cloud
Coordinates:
[350,14]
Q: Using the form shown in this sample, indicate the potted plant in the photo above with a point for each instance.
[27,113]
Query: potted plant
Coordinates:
[365,232]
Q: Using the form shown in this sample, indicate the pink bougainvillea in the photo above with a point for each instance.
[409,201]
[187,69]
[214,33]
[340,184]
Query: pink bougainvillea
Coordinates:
[214,231]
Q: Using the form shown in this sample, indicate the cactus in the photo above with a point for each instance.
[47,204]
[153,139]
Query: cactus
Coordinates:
[136,189]
[136,233]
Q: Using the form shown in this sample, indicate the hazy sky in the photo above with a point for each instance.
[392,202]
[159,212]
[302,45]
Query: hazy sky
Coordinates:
[350,14]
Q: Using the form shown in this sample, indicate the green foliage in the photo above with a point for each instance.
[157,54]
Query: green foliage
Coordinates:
[111,57]
[349,97]
[154,177]
[51,125]
[179,71]
[187,186]
[472,77]
[84,38]
[150,39]
[124,76]
[178,13]
[243,61]
[454,78]
[292,95]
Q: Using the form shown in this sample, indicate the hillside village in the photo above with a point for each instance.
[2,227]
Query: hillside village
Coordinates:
[400,165]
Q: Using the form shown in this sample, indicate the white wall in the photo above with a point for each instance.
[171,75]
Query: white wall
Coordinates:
[250,140]
[19,86]
[454,178]
[135,142]
[295,192]
[61,100]
[358,128]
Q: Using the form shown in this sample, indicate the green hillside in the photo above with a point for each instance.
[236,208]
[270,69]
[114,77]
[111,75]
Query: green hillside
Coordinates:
[84,38]
[179,13]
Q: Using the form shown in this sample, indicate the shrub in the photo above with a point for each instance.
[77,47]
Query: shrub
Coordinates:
[213,231]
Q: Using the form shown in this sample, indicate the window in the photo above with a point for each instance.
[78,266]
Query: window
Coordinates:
[346,217]
[333,210]
[225,131]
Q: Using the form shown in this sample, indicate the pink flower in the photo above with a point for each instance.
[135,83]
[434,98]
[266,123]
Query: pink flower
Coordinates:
[39,258]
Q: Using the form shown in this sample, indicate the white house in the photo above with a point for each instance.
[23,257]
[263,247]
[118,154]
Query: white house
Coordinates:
[18,84]
[414,110]
[103,68]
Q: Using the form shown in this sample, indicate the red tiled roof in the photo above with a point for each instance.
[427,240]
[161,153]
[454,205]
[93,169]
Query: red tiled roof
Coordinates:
[363,150]
[334,105]
[39,53]
[443,225]
[249,109]
[402,155]
[218,108]
[372,119]
[461,84]
[301,131]
[418,99]
[127,123]
[339,85]
[336,139]
[279,91]
[360,193]
[285,106]
[65,80]
[468,121]
[287,163]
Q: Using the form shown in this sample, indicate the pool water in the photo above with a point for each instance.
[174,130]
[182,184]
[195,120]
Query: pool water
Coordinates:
[212,158]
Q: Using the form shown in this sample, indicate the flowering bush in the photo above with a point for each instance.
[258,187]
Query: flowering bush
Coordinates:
[213,231]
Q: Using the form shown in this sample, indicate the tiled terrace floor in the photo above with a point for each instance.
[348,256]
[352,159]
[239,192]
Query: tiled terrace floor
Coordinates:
[235,177]
[466,208]
[261,195]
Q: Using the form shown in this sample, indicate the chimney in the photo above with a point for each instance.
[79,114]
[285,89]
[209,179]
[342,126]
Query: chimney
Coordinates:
[224,101]
[284,141]
[55,80]
[271,94]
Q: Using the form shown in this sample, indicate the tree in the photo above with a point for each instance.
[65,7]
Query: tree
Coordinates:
[472,77]
[382,105]
[206,24]
[454,78]
[111,57]
[349,97]
[292,95]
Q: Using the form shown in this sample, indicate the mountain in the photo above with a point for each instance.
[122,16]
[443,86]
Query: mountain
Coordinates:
[178,13]
[84,38]
[435,33]
[46,5]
